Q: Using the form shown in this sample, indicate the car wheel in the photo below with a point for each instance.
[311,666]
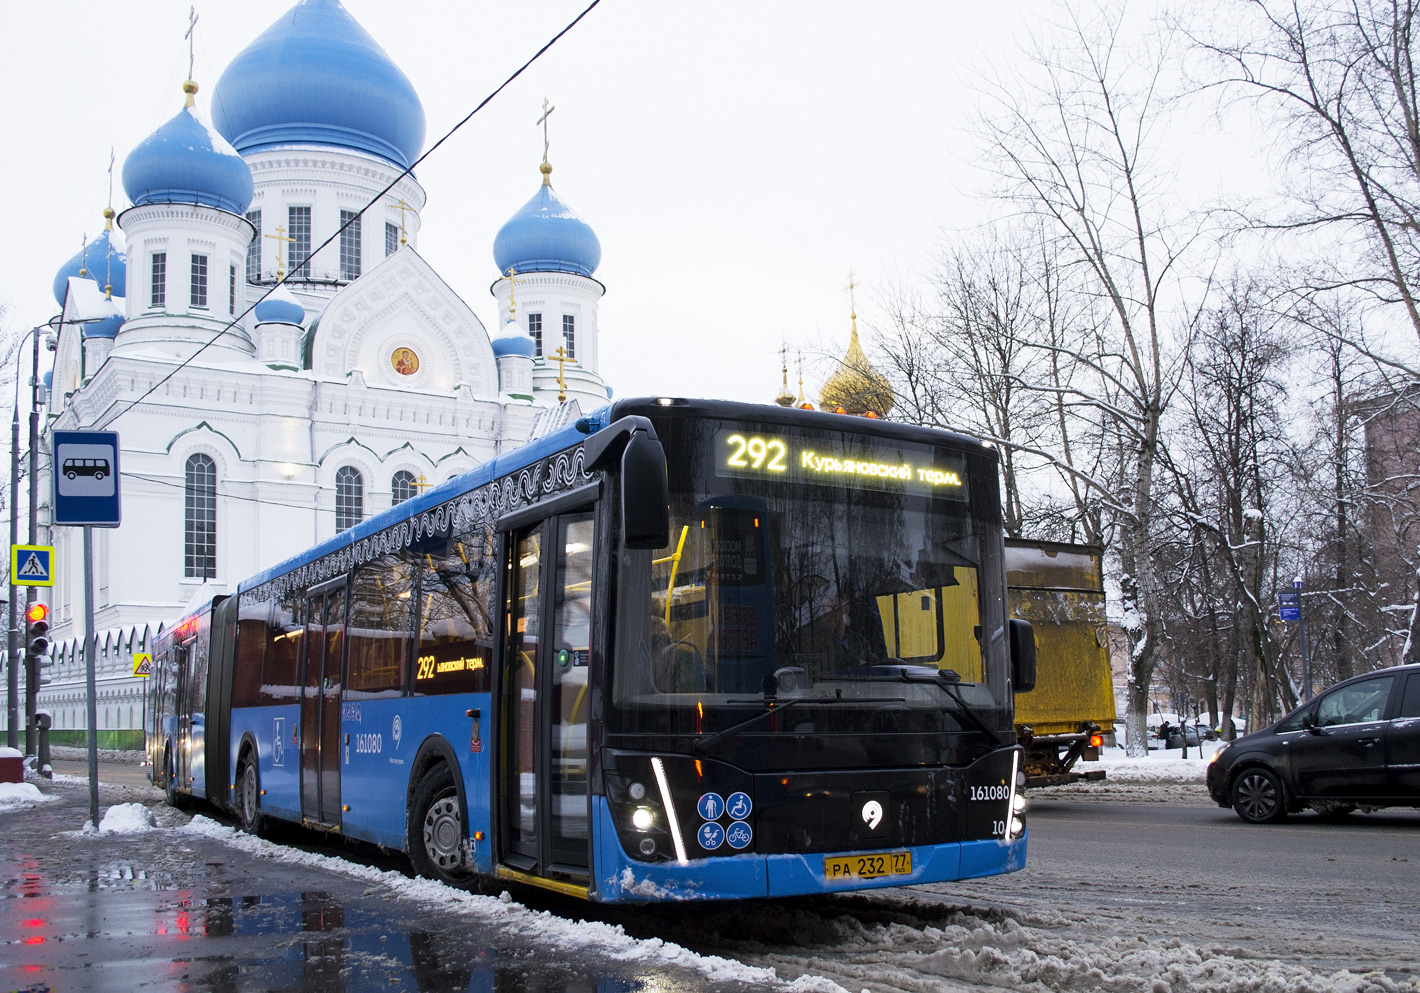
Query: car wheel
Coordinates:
[249,797]
[1258,797]
[437,833]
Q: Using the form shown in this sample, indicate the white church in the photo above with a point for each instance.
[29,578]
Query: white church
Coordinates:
[249,433]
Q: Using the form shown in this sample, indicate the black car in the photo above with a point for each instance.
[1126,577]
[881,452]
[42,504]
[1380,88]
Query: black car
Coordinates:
[1356,745]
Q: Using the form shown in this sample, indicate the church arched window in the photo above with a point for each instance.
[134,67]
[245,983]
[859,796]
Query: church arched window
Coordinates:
[200,517]
[403,486]
[349,497]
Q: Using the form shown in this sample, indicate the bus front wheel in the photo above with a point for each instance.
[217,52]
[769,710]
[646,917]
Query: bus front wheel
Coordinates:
[249,797]
[437,832]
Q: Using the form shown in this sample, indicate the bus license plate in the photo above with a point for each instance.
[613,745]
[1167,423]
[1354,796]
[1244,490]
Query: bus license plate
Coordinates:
[868,866]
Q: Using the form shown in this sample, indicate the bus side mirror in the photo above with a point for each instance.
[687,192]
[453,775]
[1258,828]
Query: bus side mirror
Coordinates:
[645,500]
[1022,639]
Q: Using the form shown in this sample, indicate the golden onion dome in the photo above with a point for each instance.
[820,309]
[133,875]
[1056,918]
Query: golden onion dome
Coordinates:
[855,386]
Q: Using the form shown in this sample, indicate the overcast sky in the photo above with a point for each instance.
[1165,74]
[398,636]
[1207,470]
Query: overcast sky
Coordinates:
[736,159]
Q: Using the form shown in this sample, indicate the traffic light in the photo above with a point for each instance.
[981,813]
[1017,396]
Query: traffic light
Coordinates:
[37,638]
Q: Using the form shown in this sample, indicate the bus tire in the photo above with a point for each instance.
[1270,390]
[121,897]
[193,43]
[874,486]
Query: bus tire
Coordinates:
[176,800]
[249,797]
[437,833]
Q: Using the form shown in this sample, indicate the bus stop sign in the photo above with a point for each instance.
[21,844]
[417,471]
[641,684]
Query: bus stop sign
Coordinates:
[86,490]
[1289,605]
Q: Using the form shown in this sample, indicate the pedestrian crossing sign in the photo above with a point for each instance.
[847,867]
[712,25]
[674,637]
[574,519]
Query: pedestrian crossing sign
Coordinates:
[142,663]
[31,565]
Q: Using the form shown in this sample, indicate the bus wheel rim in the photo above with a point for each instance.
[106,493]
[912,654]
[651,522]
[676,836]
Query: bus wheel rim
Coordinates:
[443,829]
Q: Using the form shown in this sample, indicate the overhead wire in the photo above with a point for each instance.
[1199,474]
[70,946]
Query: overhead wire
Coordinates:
[378,197]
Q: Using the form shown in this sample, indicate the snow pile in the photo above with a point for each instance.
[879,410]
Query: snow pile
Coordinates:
[989,950]
[597,937]
[1158,767]
[127,818]
[1010,955]
[17,794]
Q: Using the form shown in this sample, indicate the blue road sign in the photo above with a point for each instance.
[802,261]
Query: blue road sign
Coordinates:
[1289,605]
[32,565]
[86,490]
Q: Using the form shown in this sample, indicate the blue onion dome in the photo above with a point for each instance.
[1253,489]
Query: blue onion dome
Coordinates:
[102,259]
[106,328]
[280,307]
[316,77]
[513,340]
[185,161]
[547,236]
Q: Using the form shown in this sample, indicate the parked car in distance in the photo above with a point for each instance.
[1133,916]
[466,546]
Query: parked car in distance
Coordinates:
[1357,745]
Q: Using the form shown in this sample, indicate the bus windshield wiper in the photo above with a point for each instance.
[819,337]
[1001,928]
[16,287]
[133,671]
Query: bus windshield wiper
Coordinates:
[703,744]
[909,674]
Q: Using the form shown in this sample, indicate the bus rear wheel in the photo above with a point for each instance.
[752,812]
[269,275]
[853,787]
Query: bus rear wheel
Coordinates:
[437,832]
[176,800]
[249,797]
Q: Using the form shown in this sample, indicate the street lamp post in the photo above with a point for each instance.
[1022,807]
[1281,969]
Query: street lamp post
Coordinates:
[13,643]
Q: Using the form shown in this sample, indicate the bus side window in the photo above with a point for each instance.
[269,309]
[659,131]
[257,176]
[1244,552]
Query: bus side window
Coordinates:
[252,641]
[378,635]
[455,650]
[280,677]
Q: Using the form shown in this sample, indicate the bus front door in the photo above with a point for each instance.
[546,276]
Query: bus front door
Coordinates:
[545,806]
[320,705]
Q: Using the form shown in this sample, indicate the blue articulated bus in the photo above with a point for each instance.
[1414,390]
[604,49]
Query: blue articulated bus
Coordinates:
[680,650]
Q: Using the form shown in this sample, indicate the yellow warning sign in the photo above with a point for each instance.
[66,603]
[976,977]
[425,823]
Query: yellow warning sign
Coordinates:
[142,663]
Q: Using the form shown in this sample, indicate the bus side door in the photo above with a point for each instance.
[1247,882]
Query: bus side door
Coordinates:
[182,717]
[320,704]
[545,806]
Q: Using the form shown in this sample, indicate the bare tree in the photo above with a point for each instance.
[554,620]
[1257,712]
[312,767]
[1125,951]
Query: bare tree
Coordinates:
[1228,466]
[1072,135]
[965,358]
[1340,79]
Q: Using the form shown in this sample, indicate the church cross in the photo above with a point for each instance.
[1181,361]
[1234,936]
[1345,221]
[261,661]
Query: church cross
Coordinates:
[512,289]
[401,206]
[422,484]
[546,110]
[562,359]
[852,300]
[280,237]
[191,37]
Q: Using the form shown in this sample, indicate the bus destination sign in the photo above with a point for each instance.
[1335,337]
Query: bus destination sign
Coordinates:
[878,467]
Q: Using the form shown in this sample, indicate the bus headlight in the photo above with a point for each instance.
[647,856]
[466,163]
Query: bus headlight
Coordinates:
[642,818]
[1018,827]
[1018,805]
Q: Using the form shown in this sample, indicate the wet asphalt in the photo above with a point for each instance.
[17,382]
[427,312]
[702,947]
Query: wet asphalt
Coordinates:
[175,911]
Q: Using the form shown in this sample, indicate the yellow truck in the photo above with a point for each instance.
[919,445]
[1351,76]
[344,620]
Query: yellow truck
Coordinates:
[1070,714]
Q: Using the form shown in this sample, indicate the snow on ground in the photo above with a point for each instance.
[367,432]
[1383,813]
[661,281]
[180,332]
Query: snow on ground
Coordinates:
[895,941]
[127,818]
[605,939]
[14,795]
[973,948]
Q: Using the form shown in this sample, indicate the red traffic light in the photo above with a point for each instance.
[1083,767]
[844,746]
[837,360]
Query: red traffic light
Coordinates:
[36,612]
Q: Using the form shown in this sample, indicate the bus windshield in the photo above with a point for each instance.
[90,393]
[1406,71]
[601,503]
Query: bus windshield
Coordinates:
[847,576]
